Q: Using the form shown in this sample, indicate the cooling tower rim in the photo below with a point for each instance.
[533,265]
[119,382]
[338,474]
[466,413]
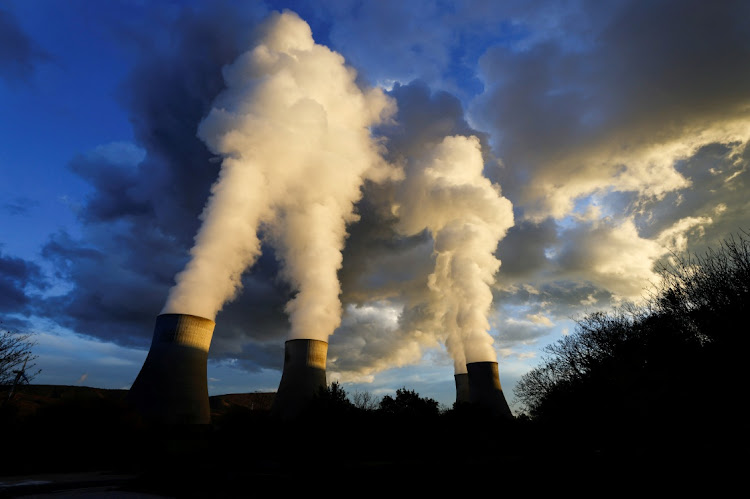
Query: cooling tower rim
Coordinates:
[480,362]
[305,340]
[187,315]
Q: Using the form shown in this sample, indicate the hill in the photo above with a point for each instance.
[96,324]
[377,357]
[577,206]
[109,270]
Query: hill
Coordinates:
[29,399]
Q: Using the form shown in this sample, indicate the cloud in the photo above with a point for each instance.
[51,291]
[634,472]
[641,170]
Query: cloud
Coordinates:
[522,251]
[112,171]
[62,353]
[18,280]
[19,54]
[611,255]
[20,206]
[719,179]
[371,339]
[521,331]
[571,123]
[622,138]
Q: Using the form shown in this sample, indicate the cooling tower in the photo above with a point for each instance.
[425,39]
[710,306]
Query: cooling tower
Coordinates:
[172,387]
[485,390]
[462,388]
[303,376]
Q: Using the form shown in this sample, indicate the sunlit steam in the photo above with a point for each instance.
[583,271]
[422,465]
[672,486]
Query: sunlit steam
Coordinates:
[292,129]
[464,212]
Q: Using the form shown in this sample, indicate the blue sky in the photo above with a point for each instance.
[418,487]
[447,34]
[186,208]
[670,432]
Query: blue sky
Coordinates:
[617,131]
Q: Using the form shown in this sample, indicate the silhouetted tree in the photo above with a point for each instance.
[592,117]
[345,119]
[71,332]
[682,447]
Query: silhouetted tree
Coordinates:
[708,293]
[408,403]
[16,359]
[331,401]
[365,401]
[637,367]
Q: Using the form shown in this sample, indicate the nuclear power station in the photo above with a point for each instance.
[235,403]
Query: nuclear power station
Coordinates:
[172,386]
[303,376]
[485,390]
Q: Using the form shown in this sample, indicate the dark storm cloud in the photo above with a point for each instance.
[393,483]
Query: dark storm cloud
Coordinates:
[676,60]
[111,297]
[167,95]
[522,251]
[379,262]
[425,116]
[18,278]
[112,172]
[648,73]
[720,178]
[18,53]
[257,316]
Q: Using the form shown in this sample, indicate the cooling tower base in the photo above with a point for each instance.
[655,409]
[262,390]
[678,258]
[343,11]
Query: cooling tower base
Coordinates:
[462,388]
[485,390]
[303,377]
[171,387]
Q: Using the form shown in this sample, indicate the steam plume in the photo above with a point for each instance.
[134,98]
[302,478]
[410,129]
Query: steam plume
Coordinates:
[292,128]
[446,193]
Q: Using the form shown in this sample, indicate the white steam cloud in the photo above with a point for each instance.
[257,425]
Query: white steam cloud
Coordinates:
[293,130]
[446,193]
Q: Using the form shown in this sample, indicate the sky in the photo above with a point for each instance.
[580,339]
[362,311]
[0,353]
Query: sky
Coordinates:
[419,183]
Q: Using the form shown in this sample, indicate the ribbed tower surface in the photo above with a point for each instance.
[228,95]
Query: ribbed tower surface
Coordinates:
[303,376]
[172,387]
[462,388]
[485,390]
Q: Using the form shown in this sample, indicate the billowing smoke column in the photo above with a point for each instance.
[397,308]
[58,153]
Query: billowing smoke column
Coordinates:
[292,128]
[446,193]
[485,390]
[171,387]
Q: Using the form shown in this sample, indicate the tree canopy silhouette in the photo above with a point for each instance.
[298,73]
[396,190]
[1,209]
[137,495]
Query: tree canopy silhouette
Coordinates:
[663,364]
[408,403]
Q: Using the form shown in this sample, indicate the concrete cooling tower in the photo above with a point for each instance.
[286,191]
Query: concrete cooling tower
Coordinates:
[303,376]
[462,388]
[485,390]
[172,387]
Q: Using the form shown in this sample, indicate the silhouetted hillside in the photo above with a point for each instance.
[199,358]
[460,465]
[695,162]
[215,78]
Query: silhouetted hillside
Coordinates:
[28,399]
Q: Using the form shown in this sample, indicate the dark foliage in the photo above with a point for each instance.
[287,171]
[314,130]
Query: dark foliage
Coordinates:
[16,358]
[332,401]
[663,374]
[408,403]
